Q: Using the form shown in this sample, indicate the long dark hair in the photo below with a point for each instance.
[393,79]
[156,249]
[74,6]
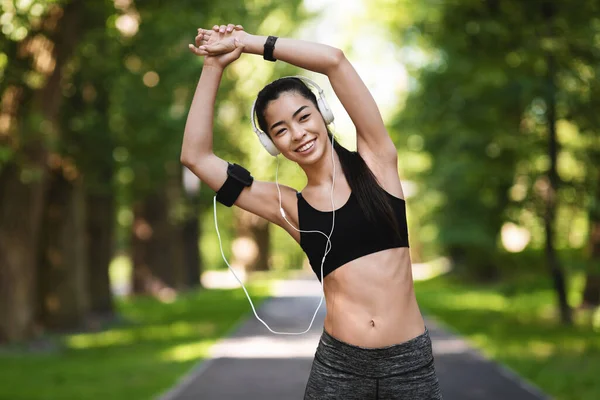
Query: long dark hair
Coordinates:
[371,197]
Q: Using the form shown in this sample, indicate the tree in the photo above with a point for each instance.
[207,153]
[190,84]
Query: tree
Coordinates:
[591,291]
[32,88]
[499,86]
[94,96]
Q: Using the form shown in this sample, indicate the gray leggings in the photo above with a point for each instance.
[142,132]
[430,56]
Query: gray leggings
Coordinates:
[344,371]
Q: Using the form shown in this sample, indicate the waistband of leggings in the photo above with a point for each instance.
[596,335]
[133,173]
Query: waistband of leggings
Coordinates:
[396,359]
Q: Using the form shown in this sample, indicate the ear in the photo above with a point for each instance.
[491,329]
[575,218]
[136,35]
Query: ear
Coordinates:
[325,110]
[267,143]
[264,139]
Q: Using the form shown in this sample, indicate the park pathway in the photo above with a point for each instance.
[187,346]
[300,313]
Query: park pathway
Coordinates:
[253,364]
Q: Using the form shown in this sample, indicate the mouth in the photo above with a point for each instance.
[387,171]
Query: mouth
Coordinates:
[306,146]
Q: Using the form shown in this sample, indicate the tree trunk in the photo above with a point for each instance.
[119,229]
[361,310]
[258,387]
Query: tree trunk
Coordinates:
[191,231]
[550,198]
[19,227]
[251,249]
[62,273]
[100,229]
[157,261]
[20,212]
[185,189]
[591,291]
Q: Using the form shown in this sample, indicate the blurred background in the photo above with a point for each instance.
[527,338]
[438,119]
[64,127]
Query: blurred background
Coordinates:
[104,237]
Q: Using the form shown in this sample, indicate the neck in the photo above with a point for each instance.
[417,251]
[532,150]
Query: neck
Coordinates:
[321,172]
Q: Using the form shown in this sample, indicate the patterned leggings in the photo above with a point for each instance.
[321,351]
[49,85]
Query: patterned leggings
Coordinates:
[344,371]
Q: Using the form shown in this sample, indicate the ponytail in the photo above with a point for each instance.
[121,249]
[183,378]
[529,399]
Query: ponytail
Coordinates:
[371,197]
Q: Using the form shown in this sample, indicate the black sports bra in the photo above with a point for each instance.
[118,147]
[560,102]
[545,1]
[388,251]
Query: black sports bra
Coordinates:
[354,236]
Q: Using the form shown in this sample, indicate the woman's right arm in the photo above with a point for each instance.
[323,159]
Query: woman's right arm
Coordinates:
[261,198]
[197,149]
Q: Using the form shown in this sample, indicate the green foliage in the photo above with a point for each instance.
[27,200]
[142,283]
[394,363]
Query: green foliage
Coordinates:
[474,122]
[128,87]
[514,323]
[140,358]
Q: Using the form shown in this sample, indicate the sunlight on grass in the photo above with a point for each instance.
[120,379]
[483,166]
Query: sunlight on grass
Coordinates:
[144,354]
[151,332]
[108,338]
[186,352]
[517,325]
[475,301]
[541,349]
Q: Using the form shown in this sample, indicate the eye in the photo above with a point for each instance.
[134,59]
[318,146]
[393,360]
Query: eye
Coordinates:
[280,132]
[304,117]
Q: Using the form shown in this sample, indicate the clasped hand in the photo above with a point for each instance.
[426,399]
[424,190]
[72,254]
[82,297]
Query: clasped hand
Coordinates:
[220,46]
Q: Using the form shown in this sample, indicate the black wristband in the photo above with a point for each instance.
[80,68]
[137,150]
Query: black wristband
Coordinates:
[269,47]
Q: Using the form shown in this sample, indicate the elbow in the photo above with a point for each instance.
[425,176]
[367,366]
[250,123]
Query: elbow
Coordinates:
[336,59]
[190,160]
[198,163]
[190,156]
[185,159]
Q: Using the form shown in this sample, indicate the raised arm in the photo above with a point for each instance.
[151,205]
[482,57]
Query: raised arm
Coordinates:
[261,198]
[373,140]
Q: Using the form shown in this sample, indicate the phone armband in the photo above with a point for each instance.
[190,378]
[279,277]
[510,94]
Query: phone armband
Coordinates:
[238,178]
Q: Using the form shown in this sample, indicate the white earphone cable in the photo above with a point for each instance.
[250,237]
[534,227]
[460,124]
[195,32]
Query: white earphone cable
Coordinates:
[328,246]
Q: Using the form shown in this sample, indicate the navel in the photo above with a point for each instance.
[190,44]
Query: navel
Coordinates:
[372,323]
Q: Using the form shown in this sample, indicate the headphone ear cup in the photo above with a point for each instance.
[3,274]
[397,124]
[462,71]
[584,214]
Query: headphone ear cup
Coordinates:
[264,139]
[325,110]
[267,143]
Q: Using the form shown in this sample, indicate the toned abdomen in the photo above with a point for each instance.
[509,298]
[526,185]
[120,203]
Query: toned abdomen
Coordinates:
[371,301]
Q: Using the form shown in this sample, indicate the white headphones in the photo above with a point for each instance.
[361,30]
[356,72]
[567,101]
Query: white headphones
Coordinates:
[324,109]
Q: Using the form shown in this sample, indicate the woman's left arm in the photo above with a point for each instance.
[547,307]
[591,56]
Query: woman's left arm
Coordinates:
[372,136]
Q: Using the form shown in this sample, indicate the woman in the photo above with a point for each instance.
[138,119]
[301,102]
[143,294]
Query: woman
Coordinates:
[374,343]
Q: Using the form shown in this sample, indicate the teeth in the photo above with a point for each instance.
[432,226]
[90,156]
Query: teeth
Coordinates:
[306,146]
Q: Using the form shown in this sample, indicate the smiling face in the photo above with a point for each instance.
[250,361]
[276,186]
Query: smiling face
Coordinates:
[296,127]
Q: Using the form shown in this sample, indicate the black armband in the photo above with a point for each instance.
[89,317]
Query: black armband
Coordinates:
[237,179]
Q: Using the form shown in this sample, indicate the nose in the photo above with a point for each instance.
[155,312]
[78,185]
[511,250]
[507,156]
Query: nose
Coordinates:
[298,133]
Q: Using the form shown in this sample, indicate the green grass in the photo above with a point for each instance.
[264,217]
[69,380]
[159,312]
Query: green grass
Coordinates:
[516,324]
[138,359]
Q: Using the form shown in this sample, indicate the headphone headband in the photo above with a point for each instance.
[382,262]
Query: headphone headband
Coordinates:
[322,105]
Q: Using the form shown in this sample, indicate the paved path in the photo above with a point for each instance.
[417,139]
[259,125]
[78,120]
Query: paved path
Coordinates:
[253,364]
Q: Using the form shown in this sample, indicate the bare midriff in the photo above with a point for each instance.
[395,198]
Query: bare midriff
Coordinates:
[371,300]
